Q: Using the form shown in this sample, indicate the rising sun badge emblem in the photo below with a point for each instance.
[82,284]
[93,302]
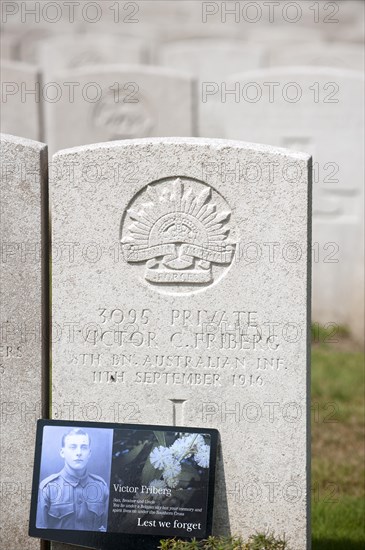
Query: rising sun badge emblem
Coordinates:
[179,228]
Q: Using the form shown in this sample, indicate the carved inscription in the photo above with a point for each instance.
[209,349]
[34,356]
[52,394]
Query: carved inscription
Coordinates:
[198,348]
[178,229]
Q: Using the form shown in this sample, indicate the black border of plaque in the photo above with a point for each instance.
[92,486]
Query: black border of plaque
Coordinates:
[112,540]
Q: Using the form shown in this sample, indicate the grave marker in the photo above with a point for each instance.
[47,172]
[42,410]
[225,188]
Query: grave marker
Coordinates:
[23,328]
[160,313]
[119,102]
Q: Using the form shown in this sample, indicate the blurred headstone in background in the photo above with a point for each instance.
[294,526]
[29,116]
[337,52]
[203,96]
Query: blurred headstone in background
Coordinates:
[341,55]
[210,61]
[342,20]
[283,37]
[29,40]
[21,100]
[207,58]
[8,45]
[321,111]
[73,52]
[24,317]
[119,102]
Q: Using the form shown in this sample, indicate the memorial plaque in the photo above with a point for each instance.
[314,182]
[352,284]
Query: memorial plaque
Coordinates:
[21,99]
[319,111]
[23,328]
[162,314]
[119,102]
[122,485]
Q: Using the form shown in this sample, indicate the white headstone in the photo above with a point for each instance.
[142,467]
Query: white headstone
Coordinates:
[60,53]
[21,100]
[23,322]
[320,111]
[117,102]
[157,301]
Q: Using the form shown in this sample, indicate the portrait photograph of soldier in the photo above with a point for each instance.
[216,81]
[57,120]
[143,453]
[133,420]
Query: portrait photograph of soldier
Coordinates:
[74,478]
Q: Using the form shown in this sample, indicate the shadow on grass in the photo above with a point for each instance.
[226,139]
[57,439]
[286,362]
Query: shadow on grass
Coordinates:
[339,544]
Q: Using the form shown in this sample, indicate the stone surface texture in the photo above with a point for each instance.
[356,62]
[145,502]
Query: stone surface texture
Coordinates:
[161,315]
[22,320]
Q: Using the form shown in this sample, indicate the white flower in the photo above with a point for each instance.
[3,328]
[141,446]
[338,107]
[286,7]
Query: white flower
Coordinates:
[161,457]
[172,469]
[181,448]
[201,457]
[186,445]
[199,442]
[172,482]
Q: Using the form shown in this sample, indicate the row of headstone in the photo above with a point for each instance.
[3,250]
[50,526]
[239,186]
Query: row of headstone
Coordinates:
[195,54]
[152,302]
[297,108]
[187,18]
[62,93]
[99,103]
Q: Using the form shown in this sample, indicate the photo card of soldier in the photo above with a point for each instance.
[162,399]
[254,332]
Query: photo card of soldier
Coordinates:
[105,485]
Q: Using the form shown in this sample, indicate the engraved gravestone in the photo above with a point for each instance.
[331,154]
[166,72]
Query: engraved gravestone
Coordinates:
[119,102]
[22,325]
[320,111]
[160,315]
[211,60]
[21,98]
[74,52]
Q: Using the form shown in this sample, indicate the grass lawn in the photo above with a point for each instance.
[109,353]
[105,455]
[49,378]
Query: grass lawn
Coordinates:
[337,448]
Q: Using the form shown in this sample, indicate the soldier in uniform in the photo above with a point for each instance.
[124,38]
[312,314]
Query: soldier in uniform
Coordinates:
[73,498]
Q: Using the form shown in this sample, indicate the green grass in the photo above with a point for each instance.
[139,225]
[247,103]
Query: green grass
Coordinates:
[339,525]
[338,470]
[328,333]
